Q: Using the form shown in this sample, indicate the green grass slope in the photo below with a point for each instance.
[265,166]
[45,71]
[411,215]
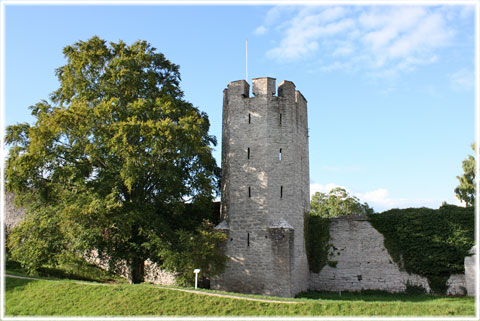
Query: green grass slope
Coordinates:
[68,298]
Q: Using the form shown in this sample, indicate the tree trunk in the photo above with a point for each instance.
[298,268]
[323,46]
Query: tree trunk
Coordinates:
[137,269]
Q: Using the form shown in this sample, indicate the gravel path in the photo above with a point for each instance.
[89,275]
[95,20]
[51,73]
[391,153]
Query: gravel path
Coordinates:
[168,288]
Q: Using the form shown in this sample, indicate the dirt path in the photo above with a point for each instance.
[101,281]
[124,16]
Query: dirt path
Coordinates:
[166,288]
[231,296]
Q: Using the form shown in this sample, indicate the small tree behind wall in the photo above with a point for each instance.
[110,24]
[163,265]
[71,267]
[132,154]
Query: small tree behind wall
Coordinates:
[337,203]
[465,192]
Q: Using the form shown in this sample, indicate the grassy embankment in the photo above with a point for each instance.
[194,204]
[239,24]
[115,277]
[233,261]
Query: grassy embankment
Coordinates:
[71,298]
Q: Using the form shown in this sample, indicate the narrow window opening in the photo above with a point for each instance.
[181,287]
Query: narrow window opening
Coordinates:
[249,118]
[280,154]
[281,191]
[280,118]
[248,153]
[248,239]
[249,192]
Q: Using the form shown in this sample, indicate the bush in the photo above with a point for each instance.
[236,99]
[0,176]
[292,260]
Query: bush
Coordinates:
[36,241]
[200,249]
[428,242]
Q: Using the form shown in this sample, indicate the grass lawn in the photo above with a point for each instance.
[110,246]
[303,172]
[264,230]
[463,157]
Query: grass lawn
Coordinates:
[74,270]
[68,298]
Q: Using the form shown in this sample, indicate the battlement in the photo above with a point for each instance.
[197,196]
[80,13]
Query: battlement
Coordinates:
[286,89]
[239,87]
[265,86]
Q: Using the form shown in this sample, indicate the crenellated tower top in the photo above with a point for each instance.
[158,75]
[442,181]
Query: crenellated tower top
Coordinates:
[264,86]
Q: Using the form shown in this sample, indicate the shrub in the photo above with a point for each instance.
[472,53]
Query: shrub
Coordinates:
[36,241]
[200,249]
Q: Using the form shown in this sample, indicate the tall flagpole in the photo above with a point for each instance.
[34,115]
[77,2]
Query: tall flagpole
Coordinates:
[246,55]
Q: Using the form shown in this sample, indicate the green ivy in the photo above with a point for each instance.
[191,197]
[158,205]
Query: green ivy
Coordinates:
[316,241]
[428,242]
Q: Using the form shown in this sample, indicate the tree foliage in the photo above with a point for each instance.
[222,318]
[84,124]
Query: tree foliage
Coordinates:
[337,203]
[111,158]
[465,192]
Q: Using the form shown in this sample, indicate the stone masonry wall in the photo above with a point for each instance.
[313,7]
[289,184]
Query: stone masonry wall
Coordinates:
[152,272]
[456,285]
[362,261]
[470,271]
[13,214]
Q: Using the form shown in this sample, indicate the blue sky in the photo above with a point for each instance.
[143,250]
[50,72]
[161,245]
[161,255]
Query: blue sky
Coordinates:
[390,89]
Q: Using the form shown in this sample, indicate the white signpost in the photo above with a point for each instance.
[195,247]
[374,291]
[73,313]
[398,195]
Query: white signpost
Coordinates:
[196,271]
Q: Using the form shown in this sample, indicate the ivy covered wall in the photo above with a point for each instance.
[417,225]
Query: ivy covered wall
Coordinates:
[418,243]
[428,242]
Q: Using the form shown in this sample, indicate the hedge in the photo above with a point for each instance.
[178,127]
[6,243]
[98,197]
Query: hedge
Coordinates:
[428,242]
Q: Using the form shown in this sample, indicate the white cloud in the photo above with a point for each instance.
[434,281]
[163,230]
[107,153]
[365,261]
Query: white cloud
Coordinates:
[429,33]
[332,13]
[302,37]
[345,50]
[381,27]
[398,18]
[379,197]
[276,13]
[462,80]
[379,38]
[386,40]
[260,30]
[322,188]
[381,200]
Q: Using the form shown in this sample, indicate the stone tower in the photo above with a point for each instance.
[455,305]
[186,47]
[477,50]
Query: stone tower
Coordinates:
[265,188]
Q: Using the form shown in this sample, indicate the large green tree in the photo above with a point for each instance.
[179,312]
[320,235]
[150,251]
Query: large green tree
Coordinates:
[337,202]
[111,160]
[465,192]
